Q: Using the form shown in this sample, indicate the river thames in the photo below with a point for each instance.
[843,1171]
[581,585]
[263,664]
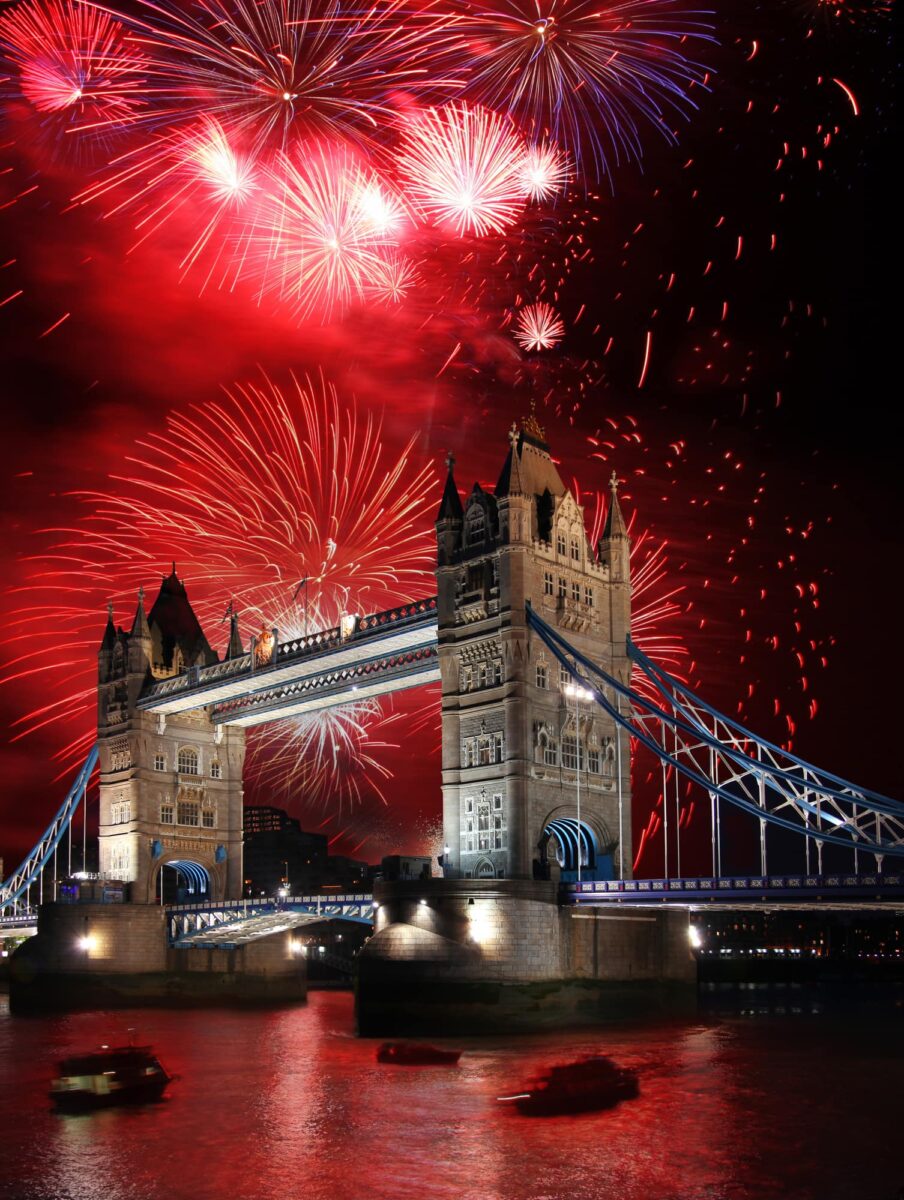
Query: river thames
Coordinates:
[792,1102]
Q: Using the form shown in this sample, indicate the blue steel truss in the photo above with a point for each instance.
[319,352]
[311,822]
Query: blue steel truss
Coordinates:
[31,870]
[187,920]
[732,764]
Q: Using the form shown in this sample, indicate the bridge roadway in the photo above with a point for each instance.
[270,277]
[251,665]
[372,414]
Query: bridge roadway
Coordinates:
[208,924]
[190,924]
[841,891]
[361,658]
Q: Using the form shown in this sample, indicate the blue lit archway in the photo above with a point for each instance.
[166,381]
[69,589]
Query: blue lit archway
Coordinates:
[183,882]
[564,840]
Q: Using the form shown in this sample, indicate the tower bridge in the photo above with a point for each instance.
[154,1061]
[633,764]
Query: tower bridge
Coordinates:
[529,637]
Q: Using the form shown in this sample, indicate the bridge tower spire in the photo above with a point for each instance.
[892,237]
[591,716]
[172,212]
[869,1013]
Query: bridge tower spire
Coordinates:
[520,754]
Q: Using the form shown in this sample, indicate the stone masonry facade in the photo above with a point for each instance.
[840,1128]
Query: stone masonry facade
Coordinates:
[516,744]
[170,790]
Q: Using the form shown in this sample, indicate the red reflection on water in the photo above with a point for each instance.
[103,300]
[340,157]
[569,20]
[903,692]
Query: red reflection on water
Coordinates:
[289,1102]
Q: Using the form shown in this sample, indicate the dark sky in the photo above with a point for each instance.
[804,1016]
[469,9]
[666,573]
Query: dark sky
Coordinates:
[781,380]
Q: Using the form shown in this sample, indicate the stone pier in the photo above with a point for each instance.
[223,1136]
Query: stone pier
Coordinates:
[117,955]
[475,956]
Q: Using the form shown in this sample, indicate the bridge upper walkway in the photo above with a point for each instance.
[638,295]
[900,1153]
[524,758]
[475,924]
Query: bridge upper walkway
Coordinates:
[361,658]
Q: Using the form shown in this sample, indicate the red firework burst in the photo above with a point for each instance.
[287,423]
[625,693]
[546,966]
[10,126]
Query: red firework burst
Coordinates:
[249,494]
[539,327]
[75,58]
[325,233]
[461,167]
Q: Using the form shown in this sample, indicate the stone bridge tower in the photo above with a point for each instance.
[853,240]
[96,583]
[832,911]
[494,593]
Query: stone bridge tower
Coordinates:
[170,790]
[516,745]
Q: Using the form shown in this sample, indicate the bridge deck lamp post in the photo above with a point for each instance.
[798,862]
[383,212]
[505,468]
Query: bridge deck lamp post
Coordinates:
[578,694]
[621,807]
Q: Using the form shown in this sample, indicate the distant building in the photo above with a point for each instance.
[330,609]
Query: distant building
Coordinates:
[279,853]
[347,873]
[406,866]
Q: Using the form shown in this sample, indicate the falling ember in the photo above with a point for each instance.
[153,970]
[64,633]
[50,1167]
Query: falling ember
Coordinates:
[539,327]
[462,167]
[850,95]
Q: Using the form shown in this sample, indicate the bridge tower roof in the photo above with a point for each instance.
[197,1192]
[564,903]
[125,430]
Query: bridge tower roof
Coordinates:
[173,623]
[528,469]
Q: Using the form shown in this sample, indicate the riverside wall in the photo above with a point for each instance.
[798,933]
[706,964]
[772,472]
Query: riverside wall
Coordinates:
[112,955]
[470,956]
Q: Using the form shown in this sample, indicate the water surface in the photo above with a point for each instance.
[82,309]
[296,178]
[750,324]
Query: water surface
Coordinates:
[285,1103]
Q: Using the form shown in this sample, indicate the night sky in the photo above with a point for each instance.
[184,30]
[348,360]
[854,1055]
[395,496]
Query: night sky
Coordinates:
[750,263]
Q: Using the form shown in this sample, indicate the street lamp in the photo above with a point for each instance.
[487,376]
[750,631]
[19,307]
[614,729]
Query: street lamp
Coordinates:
[578,694]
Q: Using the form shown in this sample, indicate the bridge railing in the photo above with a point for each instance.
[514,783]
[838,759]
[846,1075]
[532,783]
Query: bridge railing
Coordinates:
[186,919]
[305,646]
[322,898]
[753,885]
[340,680]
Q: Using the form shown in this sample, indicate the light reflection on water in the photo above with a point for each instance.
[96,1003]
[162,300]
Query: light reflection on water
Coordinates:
[286,1103]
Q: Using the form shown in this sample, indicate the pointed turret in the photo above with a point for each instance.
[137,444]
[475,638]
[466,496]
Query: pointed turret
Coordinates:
[175,628]
[450,506]
[140,642]
[528,469]
[235,648]
[449,518]
[614,552]
[107,646]
[109,638]
[615,521]
[140,627]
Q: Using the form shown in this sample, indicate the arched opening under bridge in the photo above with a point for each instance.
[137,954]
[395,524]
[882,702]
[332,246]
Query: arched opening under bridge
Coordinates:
[182,882]
[566,841]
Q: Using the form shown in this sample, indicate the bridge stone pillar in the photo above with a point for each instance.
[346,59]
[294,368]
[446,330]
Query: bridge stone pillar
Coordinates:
[170,790]
[514,742]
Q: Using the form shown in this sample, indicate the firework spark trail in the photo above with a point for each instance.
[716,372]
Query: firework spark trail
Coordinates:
[586,73]
[275,69]
[250,494]
[393,280]
[197,170]
[543,171]
[539,327]
[325,232]
[462,167]
[75,58]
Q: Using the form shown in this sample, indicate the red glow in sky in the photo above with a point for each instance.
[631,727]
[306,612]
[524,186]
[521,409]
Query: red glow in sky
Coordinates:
[719,348]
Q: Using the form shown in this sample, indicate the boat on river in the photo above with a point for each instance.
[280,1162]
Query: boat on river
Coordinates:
[413,1054]
[588,1085]
[111,1076]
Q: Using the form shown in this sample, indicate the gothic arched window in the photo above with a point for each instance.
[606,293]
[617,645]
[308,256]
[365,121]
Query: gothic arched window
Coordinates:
[188,761]
[476,525]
